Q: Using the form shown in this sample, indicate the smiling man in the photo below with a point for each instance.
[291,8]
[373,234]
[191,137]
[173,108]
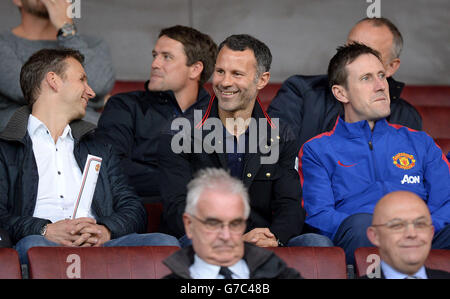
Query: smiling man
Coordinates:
[276,219]
[183,60]
[347,170]
[42,154]
[402,230]
[217,207]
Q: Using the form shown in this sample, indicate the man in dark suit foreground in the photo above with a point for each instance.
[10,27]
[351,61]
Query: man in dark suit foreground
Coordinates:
[217,207]
[403,248]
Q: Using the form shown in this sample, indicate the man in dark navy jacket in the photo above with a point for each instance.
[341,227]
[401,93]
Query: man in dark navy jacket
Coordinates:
[234,133]
[183,60]
[43,150]
[307,104]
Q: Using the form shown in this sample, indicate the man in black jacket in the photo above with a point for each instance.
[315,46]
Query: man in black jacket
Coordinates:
[402,230]
[5,241]
[216,210]
[307,104]
[234,133]
[183,60]
[42,155]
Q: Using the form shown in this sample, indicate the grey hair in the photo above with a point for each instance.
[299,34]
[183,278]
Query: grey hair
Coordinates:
[214,179]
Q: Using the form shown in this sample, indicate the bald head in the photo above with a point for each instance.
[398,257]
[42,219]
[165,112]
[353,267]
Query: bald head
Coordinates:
[399,203]
[402,231]
[382,36]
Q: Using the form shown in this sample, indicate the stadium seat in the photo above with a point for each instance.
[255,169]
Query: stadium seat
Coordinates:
[436,121]
[9,264]
[99,262]
[437,259]
[427,96]
[127,86]
[432,102]
[314,262]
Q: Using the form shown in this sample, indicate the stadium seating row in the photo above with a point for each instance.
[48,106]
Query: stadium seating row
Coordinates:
[146,262]
[432,102]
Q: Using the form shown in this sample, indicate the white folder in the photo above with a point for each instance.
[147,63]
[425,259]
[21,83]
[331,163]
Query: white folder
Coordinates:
[87,188]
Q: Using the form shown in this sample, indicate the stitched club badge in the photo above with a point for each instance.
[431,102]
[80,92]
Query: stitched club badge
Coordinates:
[404,161]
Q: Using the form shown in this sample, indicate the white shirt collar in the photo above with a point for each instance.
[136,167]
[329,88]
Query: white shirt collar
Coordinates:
[35,126]
[391,273]
[202,270]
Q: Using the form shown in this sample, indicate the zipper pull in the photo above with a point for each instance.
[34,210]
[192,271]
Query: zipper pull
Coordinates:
[371,145]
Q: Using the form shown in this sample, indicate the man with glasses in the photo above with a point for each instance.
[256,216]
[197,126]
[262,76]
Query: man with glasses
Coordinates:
[403,232]
[215,218]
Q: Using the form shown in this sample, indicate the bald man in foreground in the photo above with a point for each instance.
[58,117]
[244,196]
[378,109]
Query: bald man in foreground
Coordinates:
[403,248]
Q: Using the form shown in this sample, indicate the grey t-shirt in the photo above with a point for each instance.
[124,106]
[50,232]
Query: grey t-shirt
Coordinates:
[15,51]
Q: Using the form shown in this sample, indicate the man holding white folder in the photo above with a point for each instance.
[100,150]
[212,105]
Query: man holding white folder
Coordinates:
[46,199]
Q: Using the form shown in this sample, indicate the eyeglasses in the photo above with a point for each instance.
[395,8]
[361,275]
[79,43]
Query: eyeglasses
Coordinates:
[401,225]
[214,225]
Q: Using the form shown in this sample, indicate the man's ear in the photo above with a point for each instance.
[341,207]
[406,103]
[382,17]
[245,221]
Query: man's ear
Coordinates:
[263,80]
[340,93]
[196,70]
[392,67]
[372,235]
[53,81]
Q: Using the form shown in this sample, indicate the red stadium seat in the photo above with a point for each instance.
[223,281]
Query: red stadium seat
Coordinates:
[314,262]
[99,262]
[444,144]
[9,264]
[417,95]
[437,259]
[127,86]
[432,102]
[436,121]
[427,96]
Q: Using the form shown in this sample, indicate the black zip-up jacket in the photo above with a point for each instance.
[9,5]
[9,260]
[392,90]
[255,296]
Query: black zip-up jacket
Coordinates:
[308,106]
[262,263]
[115,204]
[132,124]
[274,188]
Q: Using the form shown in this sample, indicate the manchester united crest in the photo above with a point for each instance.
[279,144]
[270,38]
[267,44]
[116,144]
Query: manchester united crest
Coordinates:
[404,161]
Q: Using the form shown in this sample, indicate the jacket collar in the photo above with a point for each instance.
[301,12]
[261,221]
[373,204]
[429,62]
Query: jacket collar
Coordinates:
[213,111]
[360,128]
[181,260]
[264,140]
[16,129]
[255,256]
[164,96]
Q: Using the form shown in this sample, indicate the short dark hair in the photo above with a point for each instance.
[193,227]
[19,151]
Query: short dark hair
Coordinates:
[337,73]
[397,44]
[197,47]
[39,64]
[241,42]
